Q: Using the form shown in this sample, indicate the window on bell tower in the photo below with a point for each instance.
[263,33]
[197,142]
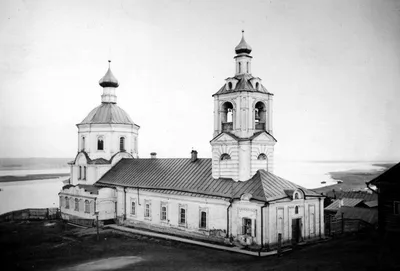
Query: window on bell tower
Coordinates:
[260,116]
[100,144]
[227,117]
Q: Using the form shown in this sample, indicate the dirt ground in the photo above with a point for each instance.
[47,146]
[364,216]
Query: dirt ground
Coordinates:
[50,245]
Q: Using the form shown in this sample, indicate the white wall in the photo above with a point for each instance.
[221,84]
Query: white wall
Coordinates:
[216,209]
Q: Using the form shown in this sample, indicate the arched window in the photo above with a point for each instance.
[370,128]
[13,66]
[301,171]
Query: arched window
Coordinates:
[257,86]
[83,143]
[225,156]
[262,156]
[230,85]
[66,203]
[296,210]
[100,144]
[203,220]
[240,67]
[260,116]
[87,206]
[122,144]
[247,67]
[227,116]
[76,204]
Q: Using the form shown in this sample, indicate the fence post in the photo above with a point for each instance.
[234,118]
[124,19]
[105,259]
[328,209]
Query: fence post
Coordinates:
[342,223]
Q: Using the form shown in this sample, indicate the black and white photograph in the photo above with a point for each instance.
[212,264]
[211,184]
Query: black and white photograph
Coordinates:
[199,135]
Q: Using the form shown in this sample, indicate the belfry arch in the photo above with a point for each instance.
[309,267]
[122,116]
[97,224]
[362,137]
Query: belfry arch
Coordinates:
[260,116]
[227,116]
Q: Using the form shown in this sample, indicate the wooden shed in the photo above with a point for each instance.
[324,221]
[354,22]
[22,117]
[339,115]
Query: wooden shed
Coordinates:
[388,189]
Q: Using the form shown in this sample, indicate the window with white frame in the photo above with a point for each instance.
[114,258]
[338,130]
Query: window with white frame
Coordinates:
[76,204]
[100,143]
[182,214]
[163,211]
[246,226]
[87,206]
[147,209]
[133,207]
[122,144]
[83,143]
[203,219]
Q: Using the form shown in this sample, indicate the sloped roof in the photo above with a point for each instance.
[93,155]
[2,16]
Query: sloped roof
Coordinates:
[392,176]
[334,206]
[245,138]
[352,194]
[181,174]
[243,85]
[107,113]
[365,214]
[371,204]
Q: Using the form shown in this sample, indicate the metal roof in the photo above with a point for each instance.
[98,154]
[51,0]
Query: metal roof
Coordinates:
[352,194]
[334,206]
[107,113]
[181,174]
[372,203]
[243,46]
[109,80]
[243,85]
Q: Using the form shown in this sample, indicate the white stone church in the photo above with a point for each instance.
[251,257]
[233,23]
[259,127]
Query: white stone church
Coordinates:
[233,196]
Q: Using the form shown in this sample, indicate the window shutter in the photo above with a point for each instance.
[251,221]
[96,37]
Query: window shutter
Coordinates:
[254,228]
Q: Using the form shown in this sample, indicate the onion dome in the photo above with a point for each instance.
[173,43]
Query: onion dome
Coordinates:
[243,46]
[109,79]
[107,113]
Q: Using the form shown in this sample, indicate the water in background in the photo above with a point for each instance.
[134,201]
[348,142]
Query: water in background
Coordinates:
[44,193]
[30,194]
[311,174]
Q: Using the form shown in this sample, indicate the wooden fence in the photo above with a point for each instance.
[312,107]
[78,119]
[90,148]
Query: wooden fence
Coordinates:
[32,214]
[335,226]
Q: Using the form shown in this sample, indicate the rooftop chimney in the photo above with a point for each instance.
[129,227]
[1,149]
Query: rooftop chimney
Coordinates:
[194,156]
[153,155]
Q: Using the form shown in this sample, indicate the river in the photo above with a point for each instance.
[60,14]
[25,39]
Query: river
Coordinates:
[44,193]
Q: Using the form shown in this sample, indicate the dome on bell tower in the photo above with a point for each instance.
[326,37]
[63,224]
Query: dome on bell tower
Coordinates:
[243,46]
[109,80]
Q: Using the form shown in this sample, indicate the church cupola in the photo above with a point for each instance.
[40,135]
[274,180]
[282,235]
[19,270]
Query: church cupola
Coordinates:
[243,46]
[243,59]
[109,84]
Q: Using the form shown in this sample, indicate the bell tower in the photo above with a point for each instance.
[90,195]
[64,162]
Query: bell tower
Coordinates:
[243,140]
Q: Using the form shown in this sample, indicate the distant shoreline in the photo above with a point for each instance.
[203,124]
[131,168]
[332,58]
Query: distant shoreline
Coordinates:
[31,177]
[353,179]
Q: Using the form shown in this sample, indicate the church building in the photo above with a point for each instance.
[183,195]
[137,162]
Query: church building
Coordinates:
[232,197]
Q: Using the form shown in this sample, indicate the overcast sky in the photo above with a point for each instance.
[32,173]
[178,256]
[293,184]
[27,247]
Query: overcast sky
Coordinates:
[333,66]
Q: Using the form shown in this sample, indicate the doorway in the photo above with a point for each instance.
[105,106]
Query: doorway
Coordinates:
[296,230]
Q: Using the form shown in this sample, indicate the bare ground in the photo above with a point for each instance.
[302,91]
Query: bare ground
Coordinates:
[44,245]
